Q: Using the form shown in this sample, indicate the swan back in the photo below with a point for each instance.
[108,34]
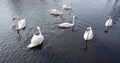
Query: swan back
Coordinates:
[109,22]
[67,7]
[36,39]
[21,23]
[56,12]
[65,25]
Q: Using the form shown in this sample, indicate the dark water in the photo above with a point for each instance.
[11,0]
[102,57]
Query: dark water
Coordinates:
[60,45]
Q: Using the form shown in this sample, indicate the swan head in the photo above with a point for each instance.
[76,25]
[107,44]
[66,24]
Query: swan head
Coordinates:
[14,19]
[109,17]
[88,28]
[38,27]
[74,16]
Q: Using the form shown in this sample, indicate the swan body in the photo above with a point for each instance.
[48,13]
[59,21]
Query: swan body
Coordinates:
[66,7]
[109,22]
[56,12]
[88,35]
[20,24]
[66,25]
[36,39]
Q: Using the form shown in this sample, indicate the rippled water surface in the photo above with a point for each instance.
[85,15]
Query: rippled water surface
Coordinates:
[60,45]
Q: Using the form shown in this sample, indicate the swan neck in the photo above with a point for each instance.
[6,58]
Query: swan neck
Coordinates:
[39,32]
[73,21]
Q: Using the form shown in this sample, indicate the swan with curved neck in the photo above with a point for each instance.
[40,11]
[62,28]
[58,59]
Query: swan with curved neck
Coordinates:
[20,24]
[66,25]
[109,22]
[56,12]
[88,35]
[67,7]
[36,39]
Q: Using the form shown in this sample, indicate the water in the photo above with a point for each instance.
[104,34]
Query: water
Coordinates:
[60,45]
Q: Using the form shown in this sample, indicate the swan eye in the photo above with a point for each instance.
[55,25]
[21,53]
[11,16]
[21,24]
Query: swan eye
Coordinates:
[74,16]
[14,19]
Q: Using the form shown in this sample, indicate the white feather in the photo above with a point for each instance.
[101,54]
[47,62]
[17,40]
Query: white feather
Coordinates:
[88,35]
[36,39]
[56,12]
[68,24]
[109,22]
[21,24]
[66,7]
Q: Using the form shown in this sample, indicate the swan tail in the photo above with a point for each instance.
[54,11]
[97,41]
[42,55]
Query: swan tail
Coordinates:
[30,45]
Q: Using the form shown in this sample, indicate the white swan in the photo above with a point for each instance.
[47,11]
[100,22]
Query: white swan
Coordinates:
[67,7]
[88,35]
[56,12]
[109,22]
[36,39]
[20,24]
[66,25]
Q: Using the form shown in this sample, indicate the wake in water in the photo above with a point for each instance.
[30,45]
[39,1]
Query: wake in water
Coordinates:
[114,7]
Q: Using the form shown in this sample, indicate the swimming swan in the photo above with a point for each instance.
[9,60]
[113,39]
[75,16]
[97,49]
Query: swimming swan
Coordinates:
[36,39]
[88,35]
[20,24]
[109,22]
[67,7]
[66,25]
[56,12]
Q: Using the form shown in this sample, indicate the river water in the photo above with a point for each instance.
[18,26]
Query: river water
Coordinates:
[60,45]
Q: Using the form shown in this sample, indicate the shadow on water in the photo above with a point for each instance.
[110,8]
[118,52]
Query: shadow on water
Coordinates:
[17,32]
[107,29]
[19,35]
[73,28]
[85,48]
[69,11]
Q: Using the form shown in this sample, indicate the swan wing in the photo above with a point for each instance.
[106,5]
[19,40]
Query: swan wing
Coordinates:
[55,11]
[22,23]
[88,35]
[35,41]
[85,35]
[66,7]
[108,22]
[65,25]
